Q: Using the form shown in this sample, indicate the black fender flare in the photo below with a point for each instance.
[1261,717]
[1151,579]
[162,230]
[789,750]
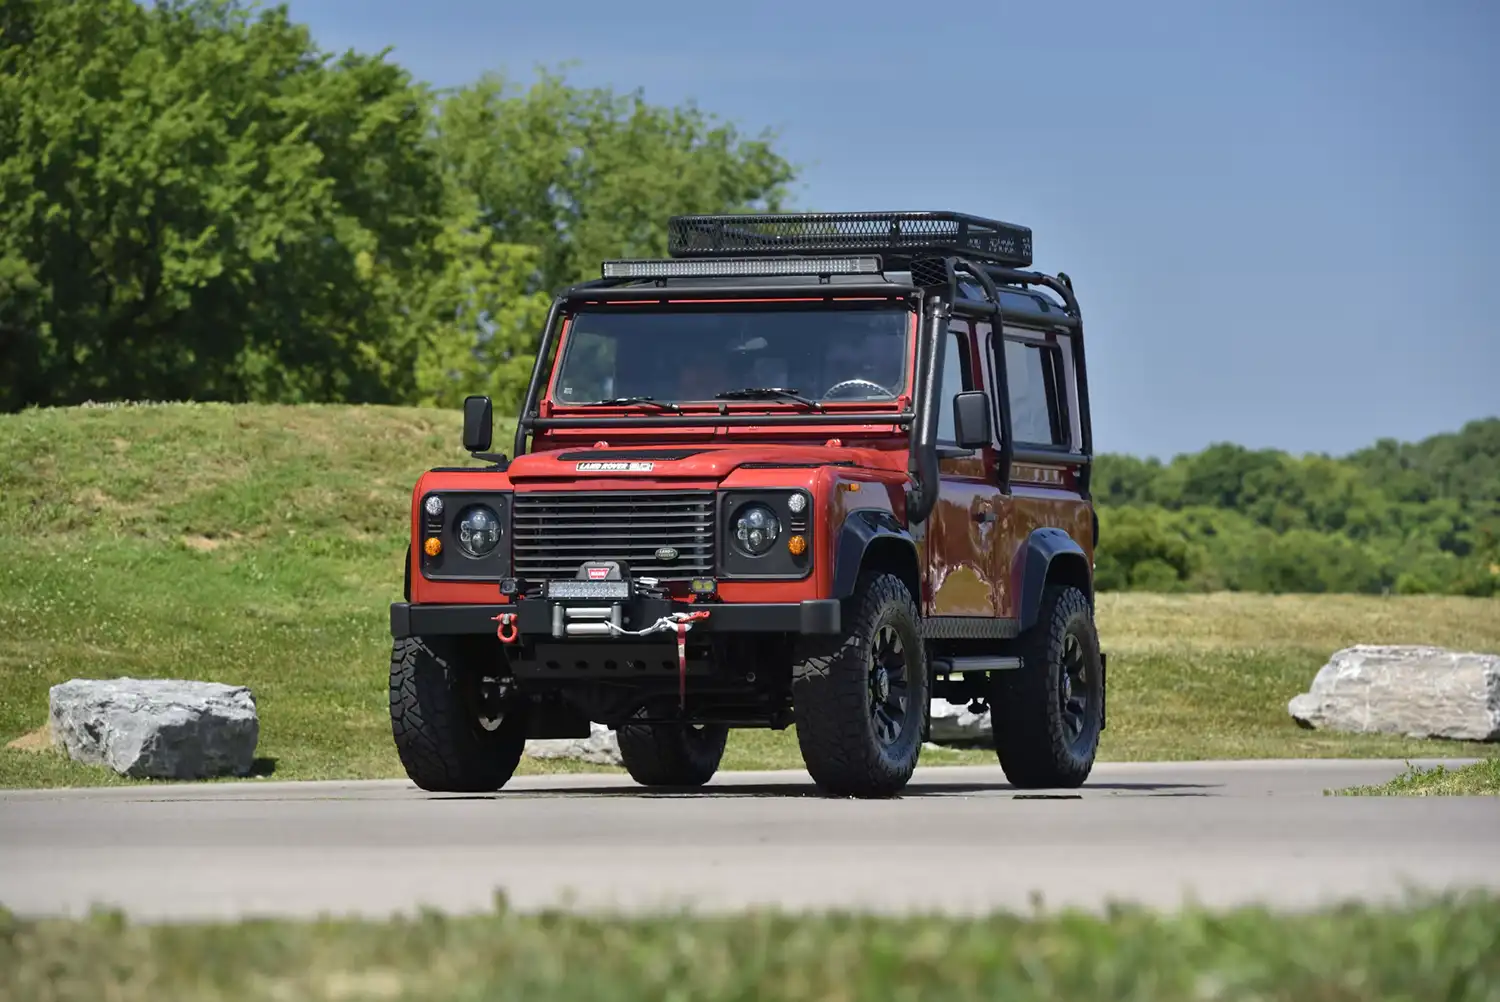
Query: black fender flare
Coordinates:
[1045,549]
[862,529]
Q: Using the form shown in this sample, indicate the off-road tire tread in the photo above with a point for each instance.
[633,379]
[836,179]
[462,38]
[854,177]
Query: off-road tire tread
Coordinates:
[657,755]
[830,696]
[1030,744]
[438,749]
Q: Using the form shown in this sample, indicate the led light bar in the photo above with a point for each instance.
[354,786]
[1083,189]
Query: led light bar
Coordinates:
[741,267]
[565,589]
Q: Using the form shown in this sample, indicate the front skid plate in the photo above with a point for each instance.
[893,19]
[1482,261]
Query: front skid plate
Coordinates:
[607,660]
[814,616]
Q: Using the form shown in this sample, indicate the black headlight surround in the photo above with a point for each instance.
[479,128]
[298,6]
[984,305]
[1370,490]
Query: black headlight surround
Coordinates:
[453,564]
[779,564]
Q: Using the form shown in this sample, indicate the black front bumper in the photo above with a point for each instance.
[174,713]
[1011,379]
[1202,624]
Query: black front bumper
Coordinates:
[534,618]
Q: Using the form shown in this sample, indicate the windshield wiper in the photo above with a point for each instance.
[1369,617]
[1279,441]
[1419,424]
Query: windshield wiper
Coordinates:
[768,393]
[622,401]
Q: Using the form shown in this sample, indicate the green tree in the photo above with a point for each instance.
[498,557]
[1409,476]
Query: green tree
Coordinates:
[472,326]
[1119,480]
[198,203]
[586,174]
[1412,517]
[1141,547]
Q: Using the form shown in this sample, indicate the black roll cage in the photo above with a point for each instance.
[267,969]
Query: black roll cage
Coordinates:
[933,293]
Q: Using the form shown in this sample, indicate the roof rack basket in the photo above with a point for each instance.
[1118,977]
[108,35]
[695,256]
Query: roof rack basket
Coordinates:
[898,237]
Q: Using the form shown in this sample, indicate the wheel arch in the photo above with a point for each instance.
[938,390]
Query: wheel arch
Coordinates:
[1049,556]
[872,539]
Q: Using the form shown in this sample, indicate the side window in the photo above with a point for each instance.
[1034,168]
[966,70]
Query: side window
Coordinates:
[954,381]
[1038,414]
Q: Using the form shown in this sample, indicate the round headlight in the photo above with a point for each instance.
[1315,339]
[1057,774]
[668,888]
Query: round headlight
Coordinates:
[478,530]
[756,529]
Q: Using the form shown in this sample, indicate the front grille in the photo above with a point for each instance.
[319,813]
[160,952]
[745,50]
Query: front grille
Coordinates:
[555,532]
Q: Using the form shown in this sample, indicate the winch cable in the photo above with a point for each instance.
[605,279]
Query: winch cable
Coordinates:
[680,622]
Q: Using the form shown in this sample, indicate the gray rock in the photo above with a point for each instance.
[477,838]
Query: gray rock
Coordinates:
[1424,692]
[601,747]
[957,726]
[157,728]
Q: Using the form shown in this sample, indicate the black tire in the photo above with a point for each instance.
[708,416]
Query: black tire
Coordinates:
[442,743]
[671,756]
[1046,731]
[837,696]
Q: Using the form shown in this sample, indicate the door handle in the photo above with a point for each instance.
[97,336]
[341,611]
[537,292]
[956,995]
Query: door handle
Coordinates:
[984,517]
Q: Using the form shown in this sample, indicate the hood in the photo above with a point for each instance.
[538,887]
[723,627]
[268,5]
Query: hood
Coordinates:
[686,462]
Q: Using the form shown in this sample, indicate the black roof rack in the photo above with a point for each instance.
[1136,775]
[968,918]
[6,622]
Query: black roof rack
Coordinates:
[898,237]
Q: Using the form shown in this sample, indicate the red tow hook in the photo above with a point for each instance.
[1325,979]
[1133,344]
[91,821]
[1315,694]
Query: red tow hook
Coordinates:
[507,630]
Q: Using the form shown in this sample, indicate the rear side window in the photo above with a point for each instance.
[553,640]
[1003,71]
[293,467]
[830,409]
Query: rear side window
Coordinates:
[1038,412]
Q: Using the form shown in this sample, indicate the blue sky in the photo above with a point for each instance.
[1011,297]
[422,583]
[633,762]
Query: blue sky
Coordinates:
[1281,215]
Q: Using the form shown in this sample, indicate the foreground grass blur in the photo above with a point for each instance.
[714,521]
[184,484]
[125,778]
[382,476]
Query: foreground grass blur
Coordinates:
[262,545]
[1445,949]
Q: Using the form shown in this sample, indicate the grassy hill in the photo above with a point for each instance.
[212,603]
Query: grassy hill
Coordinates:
[262,544]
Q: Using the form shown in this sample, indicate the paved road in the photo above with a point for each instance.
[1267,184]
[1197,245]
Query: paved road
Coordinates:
[961,840]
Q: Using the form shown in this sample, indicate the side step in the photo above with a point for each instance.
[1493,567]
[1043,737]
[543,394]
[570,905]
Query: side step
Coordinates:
[962,666]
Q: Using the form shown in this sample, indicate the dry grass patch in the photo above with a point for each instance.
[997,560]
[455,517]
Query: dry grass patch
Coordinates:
[39,740]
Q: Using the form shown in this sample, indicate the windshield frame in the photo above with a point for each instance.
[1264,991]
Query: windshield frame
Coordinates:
[883,409]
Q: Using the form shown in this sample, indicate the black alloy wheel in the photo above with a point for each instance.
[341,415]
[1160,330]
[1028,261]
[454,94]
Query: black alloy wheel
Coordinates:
[1073,693]
[1048,715]
[888,685]
[860,699]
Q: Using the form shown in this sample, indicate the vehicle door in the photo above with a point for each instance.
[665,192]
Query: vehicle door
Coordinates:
[1043,492]
[963,525]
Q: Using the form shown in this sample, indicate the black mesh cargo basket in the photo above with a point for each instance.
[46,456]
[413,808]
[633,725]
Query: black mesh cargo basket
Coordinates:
[895,236]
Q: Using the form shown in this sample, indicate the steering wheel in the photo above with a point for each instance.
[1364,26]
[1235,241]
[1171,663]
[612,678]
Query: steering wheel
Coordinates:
[855,382]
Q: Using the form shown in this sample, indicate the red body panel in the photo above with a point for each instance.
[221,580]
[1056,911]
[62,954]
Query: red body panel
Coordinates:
[876,471]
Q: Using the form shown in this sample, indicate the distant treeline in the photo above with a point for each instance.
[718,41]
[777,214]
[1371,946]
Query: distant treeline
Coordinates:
[1401,517]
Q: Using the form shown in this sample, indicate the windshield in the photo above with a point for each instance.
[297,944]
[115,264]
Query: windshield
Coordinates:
[690,354]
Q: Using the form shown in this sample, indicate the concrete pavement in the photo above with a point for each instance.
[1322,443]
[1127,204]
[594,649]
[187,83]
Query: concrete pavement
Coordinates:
[959,840]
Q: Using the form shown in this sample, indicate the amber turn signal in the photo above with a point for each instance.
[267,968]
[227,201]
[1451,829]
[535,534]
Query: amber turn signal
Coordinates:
[432,547]
[797,545]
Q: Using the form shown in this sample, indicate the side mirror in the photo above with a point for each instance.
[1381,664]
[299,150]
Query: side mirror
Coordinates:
[971,419]
[479,424]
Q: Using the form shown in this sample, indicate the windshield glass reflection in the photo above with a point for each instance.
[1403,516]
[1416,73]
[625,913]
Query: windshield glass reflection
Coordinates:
[695,355]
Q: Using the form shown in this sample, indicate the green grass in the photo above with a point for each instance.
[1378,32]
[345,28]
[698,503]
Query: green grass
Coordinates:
[262,545]
[1479,779]
[1446,949]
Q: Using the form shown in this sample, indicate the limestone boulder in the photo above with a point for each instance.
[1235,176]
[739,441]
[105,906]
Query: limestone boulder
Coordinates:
[156,728]
[956,726]
[1416,691]
[601,747]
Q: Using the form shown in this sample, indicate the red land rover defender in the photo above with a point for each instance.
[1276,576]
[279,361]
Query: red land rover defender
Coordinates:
[811,469]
